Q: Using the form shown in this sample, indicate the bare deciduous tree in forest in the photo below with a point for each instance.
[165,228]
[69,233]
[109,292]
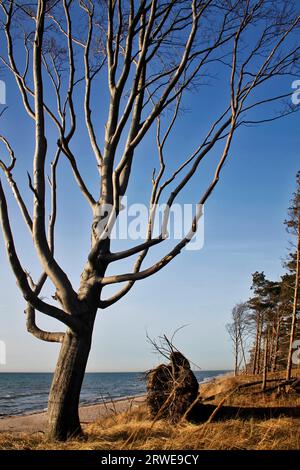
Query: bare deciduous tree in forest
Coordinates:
[141,58]
[237,331]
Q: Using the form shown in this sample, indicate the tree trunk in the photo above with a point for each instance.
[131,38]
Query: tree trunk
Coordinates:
[295,309]
[258,365]
[256,361]
[243,352]
[265,364]
[256,350]
[236,360]
[271,347]
[63,413]
[276,346]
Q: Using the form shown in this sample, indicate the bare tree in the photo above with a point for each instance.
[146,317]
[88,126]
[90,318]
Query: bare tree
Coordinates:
[146,55]
[237,331]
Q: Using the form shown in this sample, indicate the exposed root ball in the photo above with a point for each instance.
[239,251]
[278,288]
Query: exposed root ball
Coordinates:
[171,388]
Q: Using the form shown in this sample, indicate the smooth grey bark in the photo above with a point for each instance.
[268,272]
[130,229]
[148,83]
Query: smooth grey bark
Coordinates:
[236,359]
[63,413]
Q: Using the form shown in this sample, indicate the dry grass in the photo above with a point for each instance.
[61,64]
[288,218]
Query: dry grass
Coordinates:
[134,430]
[252,396]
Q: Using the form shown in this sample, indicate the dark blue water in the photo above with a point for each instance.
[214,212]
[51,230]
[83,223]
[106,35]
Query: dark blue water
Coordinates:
[22,393]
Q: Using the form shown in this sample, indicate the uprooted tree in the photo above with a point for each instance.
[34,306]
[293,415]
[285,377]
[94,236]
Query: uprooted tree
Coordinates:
[172,389]
[143,57]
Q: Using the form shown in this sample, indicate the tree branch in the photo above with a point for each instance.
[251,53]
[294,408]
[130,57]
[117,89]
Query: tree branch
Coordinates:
[20,274]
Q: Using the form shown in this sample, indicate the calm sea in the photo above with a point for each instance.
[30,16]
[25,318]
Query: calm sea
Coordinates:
[22,393]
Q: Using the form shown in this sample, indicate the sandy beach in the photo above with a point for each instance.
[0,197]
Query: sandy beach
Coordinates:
[37,422]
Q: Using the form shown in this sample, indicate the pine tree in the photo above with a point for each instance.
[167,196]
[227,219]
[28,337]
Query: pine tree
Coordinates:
[293,264]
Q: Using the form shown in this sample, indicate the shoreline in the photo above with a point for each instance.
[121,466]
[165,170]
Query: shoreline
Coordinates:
[81,405]
[88,413]
[36,421]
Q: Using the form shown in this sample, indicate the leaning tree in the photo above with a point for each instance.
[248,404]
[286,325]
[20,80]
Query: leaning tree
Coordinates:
[131,63]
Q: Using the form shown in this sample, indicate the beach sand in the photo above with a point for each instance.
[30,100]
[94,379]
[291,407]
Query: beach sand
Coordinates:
[37,422]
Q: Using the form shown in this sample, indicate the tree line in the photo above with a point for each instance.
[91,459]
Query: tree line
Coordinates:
[264,330]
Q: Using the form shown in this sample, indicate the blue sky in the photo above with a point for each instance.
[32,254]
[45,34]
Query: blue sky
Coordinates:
[244,233]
